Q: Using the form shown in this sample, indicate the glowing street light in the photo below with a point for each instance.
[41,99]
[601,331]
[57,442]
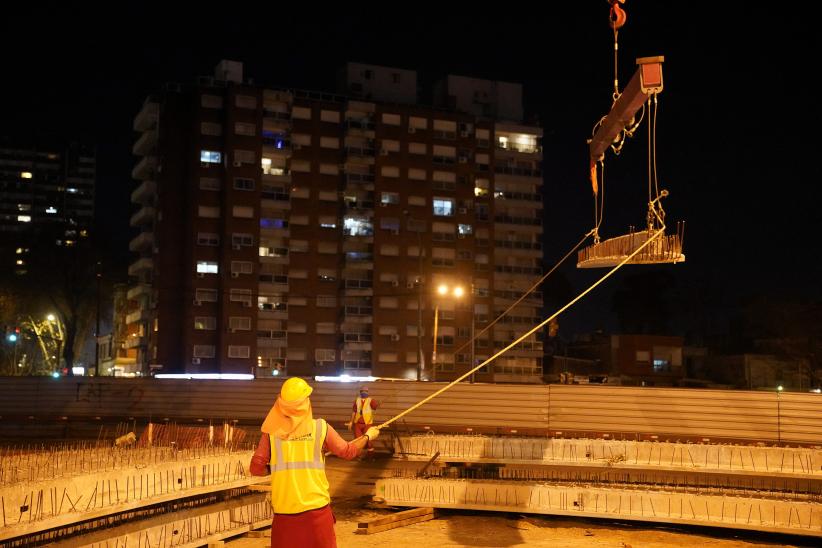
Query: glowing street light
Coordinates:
[443,290]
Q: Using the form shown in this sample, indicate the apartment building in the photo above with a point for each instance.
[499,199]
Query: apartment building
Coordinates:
[307,233]
[46,197]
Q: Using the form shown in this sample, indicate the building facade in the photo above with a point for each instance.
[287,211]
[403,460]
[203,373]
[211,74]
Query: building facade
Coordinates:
[46,197]
[305,233]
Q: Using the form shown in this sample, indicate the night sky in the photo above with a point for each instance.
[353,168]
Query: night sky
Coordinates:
[737,136]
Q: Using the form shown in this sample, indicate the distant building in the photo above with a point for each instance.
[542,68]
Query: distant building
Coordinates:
[644,360]
[46,197]
[297,232]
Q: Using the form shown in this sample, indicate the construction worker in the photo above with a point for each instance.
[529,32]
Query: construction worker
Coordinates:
[362,416]
[299,487]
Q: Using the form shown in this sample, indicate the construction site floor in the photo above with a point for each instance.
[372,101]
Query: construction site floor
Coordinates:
[352,485]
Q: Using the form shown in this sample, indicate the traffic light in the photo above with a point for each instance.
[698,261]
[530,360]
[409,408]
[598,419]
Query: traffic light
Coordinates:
[12,334]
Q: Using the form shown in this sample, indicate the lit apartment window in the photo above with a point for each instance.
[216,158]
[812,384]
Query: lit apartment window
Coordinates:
[207,267]
[268,222]
[327,274]
[25,175]
[443,207]
[390,198]
[24,218]
[210,157]
[328,222]
[273,252]
[481,187]
[205,323]
[464,230]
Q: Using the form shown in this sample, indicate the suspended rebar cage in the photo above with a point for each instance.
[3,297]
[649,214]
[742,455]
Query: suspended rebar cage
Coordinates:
[666,249]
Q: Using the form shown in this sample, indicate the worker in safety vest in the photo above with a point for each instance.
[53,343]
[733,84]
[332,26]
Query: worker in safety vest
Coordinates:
[362,415]
[292,449]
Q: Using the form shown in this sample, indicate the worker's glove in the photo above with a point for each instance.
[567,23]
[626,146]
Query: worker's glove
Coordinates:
[373,433]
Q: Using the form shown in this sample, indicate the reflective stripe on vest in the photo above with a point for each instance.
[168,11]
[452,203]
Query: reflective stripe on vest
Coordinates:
[364,411]
[298,481]
[317,464]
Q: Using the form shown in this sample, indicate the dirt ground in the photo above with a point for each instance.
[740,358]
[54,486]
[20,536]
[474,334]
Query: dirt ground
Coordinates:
[352,484]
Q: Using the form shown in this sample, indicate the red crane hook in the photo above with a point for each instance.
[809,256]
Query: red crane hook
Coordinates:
[617,16]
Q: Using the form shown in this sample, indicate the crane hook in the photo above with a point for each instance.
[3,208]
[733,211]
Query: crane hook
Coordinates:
[617,16]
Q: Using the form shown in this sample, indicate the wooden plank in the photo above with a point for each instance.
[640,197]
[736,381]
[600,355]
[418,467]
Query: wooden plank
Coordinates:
[378,526]
[398,516]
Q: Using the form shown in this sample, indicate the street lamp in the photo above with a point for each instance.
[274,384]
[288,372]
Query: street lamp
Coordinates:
[443,290]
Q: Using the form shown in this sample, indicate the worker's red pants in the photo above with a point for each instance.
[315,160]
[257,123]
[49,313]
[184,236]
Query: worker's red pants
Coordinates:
[311,529]
[359,430]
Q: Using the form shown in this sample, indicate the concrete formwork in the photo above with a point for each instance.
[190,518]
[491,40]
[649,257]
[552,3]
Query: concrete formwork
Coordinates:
[146,477]
[580,500]
[778,462]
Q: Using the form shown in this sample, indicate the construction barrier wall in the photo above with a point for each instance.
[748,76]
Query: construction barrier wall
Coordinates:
[568,409]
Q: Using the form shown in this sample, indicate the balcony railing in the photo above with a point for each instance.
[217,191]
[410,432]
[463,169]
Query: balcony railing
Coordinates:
[144,193]
[522,172]
[528,221]
[144,215]
[140,265]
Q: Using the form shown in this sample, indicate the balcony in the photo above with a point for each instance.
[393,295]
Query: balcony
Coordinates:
[363,125]
[354,346]
[358,288]
[148,116]
[138,291]
[143,264]
[517,171]
[143,216]
[137,316]
[358,314]
[145,168]
[134,341]
[521,221]
[146,143]
[144,241]
[145,193]
[359,258]
[274,120]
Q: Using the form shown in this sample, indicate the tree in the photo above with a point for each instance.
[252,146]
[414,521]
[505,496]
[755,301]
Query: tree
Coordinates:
[64,280]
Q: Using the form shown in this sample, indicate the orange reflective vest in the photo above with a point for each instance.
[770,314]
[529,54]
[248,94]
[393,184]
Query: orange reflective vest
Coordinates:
[364,410]
[298,481]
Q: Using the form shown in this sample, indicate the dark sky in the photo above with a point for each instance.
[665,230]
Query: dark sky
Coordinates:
[737,131]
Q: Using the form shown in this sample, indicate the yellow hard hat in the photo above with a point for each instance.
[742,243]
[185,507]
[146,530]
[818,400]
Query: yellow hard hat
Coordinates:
[295,389]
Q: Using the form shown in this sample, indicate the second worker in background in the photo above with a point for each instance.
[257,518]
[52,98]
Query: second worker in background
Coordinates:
[362,416]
